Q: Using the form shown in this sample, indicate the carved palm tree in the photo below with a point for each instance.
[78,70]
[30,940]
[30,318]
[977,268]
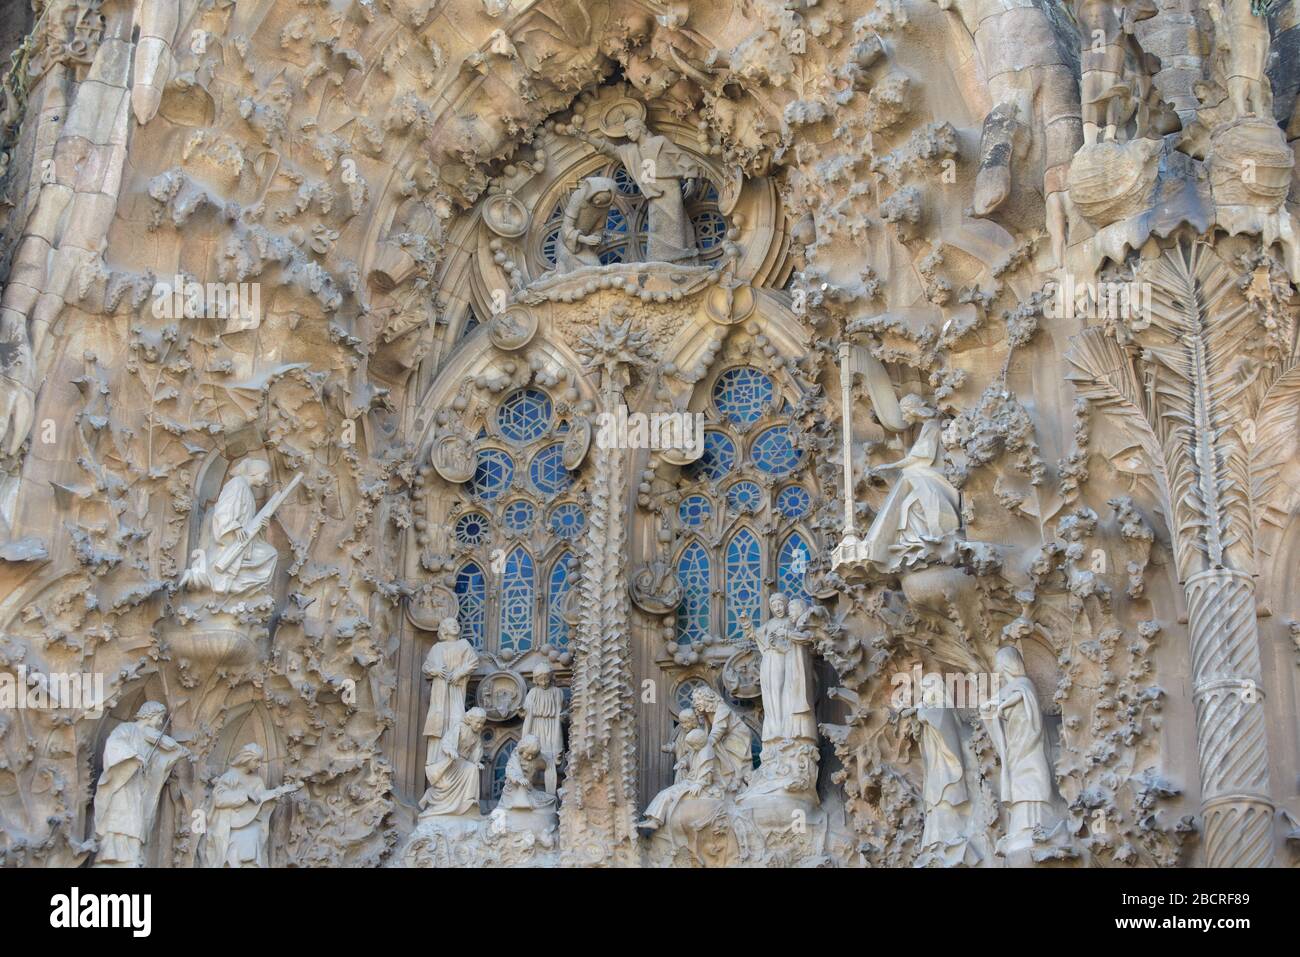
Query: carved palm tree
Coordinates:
[1208,395]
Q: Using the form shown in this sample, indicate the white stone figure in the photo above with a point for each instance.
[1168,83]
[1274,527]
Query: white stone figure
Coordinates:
[453,774]
[698,777]
[1015,724]
[543,707]
[728,737]
[448,665]
[785,674]
[1241,39]
[526,761]
[943,841]
[920,510]
[658,165]
[238,562]
[582,228]
[138,757]
[687,721]
[239,813]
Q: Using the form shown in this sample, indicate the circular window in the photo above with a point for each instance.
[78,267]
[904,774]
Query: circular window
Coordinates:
[774,453]
[694,510]
[525,416]
[745,497]
[548,472]
[743,395]
[471,529]
[493,475]
[518,516]
[793,501]
[568,521]
[717,459]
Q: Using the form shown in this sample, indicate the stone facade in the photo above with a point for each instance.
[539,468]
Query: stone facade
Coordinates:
[609,433]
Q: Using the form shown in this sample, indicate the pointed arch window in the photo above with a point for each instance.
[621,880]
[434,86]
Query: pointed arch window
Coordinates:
[744,578]
[557,590]
[792,566]
[471,595]
[517,596]
[693,574]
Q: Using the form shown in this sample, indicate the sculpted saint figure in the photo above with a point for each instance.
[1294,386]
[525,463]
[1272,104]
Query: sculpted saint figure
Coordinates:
[687,722]
[921,508]
[658,165]
[728,737]
[448,664]
[784,674]
[699,774]
[525,763]
[239,813]
[453,774]
[943,840]
[138,757]
[1241,38]
[582,229]
[1016,727]
[238,562]
[543,706]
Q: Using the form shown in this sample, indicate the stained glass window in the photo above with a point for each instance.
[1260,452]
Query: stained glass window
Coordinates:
[495,472]
[717,459]
[694,510]
[792,565]
[551,237]
[774,453]
[682,693]
[548,472]
[471,323]
[499,762]
[745,497]
[793,501]
[744,564]
[710,228]
[743,395]
[471,594]
[517,591]
[518,516]
[557,629]
[693,612]
[471,528]
[568,520]
[525,415]
[626,184]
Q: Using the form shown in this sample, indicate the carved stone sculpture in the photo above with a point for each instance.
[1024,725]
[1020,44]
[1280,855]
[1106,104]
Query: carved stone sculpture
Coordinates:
[944,841]
[543,708]
[582,230]
[238,817]
[785,675]
[453,772]
[448,666]
[138,758]
[728,740]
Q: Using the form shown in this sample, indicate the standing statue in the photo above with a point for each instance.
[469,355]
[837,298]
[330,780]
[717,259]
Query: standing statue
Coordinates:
[453,773]
[1015,724]
[582,229]
[658,165]
[784,676]
[138,757]
[943,841]
[1241,39]
[728,737]
[239,814]
[448,664]
[543,706]
[238,563]
[921,508]
[1108,46]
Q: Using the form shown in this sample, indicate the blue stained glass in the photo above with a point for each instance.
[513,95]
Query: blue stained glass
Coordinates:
[568,521]
[499,762]
[471,528]
[745,497]
[793,501]
[717,459]
[792,565]
[549,245]
[518,516]
[744,564]
[615,221]
[710,228]
[693,612]
[471,595]
[694,510]
[517,590]
[743,395]
[774,453]
[525,416]
[471,323]
[494,473]
[557,629]
[615,254]
[548,472]
[682,693]
[626,184]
